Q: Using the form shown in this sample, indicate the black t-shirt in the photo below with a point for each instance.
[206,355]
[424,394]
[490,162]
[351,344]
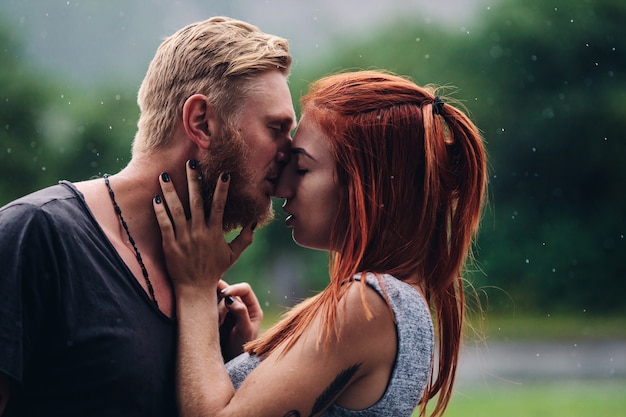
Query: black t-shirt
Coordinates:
[78,334]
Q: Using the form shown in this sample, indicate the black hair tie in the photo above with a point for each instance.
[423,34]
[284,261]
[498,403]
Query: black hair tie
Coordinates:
[438,105]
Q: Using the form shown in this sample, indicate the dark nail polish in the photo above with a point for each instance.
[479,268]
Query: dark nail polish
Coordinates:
[225,176]
[229,300]
[193,164]
[165,177]
[157,199]
[253,226]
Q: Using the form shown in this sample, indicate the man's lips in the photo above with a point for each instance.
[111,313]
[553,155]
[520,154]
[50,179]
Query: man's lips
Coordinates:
[273,181]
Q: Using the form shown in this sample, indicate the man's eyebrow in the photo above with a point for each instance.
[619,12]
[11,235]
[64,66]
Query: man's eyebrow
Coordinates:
[287,121]
[301,151]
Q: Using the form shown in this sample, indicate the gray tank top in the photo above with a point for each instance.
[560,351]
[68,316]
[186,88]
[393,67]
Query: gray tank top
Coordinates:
[412,369]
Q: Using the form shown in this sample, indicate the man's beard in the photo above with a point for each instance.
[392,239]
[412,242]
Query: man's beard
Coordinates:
[229,154]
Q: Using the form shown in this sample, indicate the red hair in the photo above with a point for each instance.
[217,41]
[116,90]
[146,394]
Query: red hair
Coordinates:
[414,175]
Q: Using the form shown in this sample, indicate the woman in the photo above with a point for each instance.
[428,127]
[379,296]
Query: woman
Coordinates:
[390,180]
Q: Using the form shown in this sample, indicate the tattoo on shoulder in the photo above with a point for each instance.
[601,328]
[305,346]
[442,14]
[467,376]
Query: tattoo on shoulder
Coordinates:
[335,387]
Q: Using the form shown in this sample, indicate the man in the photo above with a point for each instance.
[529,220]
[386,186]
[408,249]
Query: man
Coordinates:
[86,307]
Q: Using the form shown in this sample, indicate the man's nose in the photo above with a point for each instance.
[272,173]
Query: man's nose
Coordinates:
[284,151]
[282,157]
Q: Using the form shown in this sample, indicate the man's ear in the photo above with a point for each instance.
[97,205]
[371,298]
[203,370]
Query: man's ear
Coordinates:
[199,120]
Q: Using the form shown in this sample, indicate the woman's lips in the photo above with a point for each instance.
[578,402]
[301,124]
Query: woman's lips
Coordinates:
[289,220]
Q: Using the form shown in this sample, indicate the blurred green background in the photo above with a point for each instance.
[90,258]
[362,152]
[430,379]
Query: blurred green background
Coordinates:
[545,80]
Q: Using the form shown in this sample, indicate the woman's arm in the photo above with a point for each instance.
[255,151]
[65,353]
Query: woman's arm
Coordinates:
[197,255]
[303,381]
[352,372]
[300,382]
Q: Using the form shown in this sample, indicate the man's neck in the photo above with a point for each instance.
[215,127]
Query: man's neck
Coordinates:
[134,188]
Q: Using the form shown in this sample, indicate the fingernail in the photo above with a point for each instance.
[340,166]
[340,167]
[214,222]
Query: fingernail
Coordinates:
[253,226]
[224,291]
[193,164]
[229,300]
[225,176]
[157,199]
[165,177]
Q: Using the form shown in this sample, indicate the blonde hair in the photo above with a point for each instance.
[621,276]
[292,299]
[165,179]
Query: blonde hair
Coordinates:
[217,57]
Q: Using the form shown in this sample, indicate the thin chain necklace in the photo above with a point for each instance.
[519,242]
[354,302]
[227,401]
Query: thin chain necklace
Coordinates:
[118,211]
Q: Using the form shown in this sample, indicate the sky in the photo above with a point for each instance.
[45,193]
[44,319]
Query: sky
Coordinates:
[90,40]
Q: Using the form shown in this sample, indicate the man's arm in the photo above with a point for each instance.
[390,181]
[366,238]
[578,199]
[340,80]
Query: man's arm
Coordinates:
[5,391]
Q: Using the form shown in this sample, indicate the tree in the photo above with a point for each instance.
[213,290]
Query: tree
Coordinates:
[52,130]
[545,81]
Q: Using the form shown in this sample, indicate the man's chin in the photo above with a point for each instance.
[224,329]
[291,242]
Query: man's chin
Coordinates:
[237,218]
[266,218]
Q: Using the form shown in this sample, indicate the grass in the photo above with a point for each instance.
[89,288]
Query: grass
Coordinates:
[541,399]
[576,398]
[559,398]
[553,327]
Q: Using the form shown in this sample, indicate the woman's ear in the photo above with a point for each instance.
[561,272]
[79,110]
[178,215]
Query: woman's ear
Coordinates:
[199,120]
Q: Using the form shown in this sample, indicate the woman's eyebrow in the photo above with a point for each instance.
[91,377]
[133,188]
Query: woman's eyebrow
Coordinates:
[301,151]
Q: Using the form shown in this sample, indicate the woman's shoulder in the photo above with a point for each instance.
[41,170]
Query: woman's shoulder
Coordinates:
[364,297]
[410,310]
[394,290]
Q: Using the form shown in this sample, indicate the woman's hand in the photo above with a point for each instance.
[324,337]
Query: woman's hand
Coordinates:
[196,252]
[240,318]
